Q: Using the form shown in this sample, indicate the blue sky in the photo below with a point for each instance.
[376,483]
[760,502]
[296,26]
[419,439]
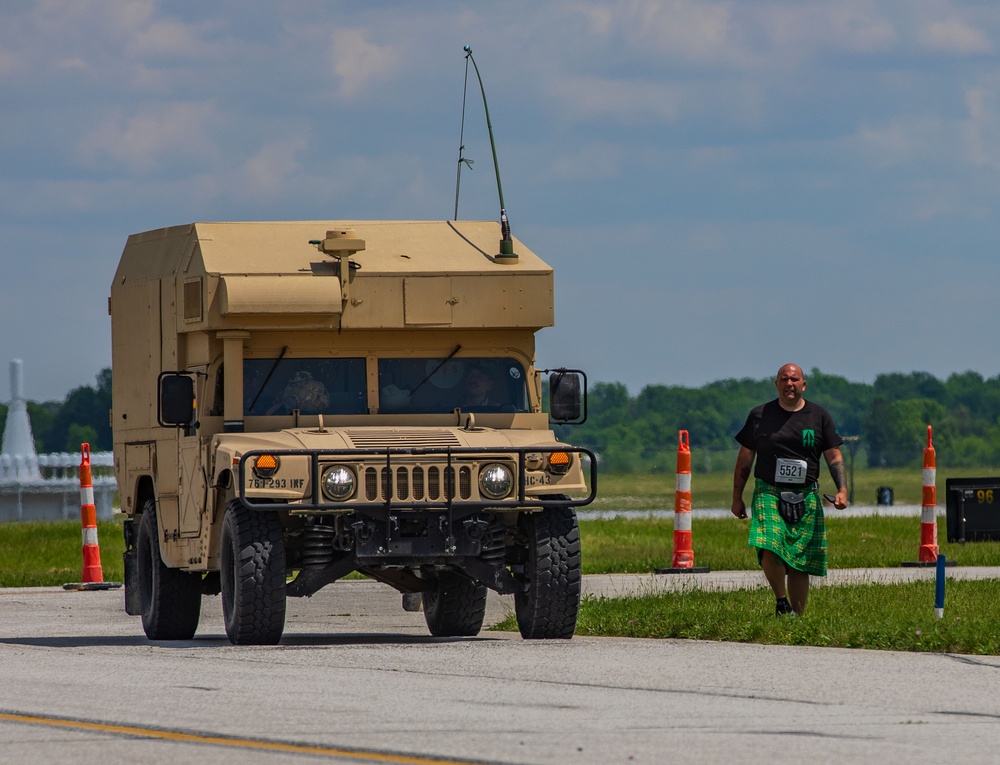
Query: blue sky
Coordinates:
[721,187]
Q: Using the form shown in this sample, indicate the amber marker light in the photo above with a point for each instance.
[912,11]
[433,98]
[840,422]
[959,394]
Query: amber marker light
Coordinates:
[265,466]
[559,462]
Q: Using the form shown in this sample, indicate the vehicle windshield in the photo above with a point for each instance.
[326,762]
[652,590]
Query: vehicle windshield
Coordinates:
[313,386]
[432,386]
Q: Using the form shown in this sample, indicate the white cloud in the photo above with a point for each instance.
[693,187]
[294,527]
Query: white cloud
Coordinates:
[140,141]
[357,62]
[706,156]
[9,63]
[667,30]
[595,161]
[693,31]
[600,18]
[896,142]
[812,29]
[70,63]
[671,61]
[737,35]
[627,102]
[271,168]
[166,37]
[954,36]
[106,43]
[981,130]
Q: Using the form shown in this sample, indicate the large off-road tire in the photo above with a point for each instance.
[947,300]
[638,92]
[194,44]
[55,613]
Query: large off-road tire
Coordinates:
[171,598]
[456,606]
[550,554]
[252,570]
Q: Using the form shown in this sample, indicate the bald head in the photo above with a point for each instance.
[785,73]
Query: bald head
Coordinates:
[791,369]
[791,385]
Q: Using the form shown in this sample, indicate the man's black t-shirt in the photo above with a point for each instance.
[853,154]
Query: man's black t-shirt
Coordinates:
[773,432]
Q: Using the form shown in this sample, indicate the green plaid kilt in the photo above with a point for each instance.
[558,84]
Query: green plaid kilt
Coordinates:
[801,545]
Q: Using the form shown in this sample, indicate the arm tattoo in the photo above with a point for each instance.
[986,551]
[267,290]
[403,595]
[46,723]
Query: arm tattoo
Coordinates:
[744,468]
[838,474]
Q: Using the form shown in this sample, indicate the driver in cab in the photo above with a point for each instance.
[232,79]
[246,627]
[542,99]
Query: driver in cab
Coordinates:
[477,387]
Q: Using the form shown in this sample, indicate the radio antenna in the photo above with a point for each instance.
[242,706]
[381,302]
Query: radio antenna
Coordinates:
[506,243]
[462,160]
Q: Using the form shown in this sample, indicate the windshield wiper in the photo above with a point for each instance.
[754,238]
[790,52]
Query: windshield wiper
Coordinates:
[437,368]
[267,378]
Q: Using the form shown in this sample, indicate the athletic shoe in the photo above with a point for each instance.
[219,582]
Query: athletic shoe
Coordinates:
[783,608]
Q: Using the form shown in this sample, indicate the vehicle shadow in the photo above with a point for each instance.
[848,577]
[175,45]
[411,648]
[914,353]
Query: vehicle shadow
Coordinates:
[301,640]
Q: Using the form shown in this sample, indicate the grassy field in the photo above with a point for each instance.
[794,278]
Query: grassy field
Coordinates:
[896,617]
[640,545]
[879,616]
[45,554]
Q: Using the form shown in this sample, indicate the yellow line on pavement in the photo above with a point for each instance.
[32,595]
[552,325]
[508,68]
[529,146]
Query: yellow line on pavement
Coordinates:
[231,741]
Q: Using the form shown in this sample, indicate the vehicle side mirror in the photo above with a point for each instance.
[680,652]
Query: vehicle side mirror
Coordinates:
[176,403]
[567,396]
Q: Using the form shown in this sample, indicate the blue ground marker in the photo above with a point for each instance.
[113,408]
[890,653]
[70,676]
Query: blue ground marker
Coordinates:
[939,589]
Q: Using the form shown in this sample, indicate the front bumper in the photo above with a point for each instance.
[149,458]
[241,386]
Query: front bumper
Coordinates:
[419,478]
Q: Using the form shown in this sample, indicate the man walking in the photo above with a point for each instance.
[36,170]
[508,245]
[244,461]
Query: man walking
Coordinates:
[786,437]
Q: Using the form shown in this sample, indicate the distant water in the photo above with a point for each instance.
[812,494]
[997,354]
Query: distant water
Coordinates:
[854,511]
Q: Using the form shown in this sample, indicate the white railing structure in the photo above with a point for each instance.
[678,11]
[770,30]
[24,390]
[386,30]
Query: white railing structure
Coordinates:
[55,494]
[45,487]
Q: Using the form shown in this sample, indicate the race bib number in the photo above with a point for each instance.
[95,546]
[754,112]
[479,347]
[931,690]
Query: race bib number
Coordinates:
[790,471]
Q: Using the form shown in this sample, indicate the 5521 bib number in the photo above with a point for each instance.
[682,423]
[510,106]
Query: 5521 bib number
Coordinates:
[789,471]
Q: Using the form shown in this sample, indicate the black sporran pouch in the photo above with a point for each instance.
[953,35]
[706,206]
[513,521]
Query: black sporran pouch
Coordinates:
[792,506]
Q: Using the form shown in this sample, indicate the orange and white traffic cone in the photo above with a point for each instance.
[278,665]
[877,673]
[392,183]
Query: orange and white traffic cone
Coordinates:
[92,571]
[683,554]
[683,560]
[928,553]
[928,515]
[93,575]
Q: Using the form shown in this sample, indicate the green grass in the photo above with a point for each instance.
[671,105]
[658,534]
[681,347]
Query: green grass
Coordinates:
[896,617]
[637,545]
[879,616]
[45,554]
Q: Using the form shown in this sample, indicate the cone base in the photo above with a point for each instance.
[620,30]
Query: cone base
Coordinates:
[690,570]
[92,585]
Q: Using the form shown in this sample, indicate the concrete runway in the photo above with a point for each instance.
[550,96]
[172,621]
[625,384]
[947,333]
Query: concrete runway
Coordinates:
[357,679]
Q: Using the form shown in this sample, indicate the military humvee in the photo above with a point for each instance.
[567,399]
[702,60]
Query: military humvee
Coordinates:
[297,401]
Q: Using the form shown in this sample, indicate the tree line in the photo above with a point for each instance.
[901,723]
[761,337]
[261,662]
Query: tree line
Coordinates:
[83,417]
[639,433]
[889,419]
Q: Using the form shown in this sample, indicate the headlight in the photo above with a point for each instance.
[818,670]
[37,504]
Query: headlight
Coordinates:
[265,466]
[496,481]
[339,483]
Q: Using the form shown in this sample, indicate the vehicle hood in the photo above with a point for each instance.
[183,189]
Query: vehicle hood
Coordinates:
[386,437]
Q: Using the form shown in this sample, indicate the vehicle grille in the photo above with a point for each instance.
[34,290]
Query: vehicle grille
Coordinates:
[402,438]
[417,483]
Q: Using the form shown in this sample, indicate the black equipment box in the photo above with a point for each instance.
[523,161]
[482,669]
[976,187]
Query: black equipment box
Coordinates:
[973,509]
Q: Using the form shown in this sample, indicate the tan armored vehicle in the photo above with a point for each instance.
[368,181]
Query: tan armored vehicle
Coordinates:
[297,401]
